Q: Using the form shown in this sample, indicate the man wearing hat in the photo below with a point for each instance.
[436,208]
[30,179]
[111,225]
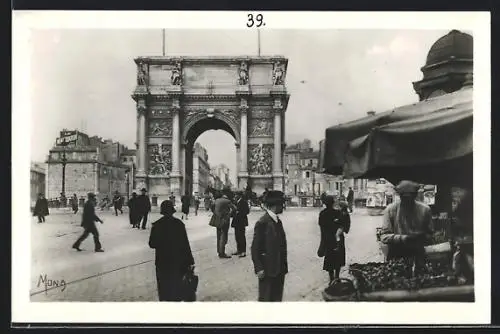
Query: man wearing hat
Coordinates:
[222,209]
[88,223]
[407,223]
[143,208]
[239,223]
[269,249]
[173,258]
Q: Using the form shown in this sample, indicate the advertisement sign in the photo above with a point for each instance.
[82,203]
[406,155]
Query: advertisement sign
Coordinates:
[68,137]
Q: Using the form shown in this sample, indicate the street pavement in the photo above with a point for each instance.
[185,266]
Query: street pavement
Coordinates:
[126,271]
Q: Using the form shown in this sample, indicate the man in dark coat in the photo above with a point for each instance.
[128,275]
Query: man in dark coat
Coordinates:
[143,208]
[186,202]
[118,203]
[133,216]
[41,208]
[173,257]
[240,222]
[221,220]
[269,249]
[350,199]
[74,204]
[88,223]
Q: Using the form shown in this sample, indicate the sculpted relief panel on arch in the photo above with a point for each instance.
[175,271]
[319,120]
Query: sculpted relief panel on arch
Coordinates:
[260,159]
[160,128]
[160,159]
[261,127]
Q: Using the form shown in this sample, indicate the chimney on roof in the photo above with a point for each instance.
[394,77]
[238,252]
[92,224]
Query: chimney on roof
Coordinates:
[371,113]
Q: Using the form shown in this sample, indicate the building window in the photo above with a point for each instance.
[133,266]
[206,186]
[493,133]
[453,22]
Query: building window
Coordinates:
[307,175]
[295,189]
[310,162]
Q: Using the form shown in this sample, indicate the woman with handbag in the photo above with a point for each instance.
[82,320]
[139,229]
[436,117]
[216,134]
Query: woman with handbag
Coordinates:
[333,224]
[174,260]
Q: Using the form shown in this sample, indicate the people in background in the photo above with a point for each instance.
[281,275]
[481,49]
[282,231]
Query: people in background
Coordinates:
[172,198]
[196,203]
[143,208]
[41,208]
[89,218]
[173,257]
[74,204]
[239,223]
[133,214]
[185,203]
[350,199]
[118,203]
[269,249]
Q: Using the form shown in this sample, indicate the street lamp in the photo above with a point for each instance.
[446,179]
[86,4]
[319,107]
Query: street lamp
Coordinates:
[128,182]
[64,161]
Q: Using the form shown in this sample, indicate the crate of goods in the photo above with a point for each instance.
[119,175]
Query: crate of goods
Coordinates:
[394,281]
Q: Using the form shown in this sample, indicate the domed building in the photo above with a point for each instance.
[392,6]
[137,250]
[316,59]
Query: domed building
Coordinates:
[449,66]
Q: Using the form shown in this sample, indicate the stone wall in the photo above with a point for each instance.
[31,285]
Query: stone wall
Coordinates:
[79,179]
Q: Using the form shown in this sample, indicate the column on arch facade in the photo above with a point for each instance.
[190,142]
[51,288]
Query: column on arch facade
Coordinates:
[142,155]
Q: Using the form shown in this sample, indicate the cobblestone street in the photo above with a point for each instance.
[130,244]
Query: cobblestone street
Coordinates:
[126,271]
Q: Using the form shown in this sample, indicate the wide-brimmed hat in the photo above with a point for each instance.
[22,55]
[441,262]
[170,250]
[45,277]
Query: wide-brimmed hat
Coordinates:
[167,207]
[144,190]
[407,187]
[274,197]
[91,195]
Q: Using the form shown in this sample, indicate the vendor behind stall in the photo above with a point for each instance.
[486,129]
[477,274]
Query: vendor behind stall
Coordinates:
[407,223]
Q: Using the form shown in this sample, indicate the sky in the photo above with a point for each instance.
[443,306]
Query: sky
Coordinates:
[83,79]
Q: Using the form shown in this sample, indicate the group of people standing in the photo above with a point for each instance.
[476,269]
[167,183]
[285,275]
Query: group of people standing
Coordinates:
[139,209]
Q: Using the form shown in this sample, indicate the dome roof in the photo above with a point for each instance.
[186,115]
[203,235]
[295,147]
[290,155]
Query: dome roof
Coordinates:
[454,44]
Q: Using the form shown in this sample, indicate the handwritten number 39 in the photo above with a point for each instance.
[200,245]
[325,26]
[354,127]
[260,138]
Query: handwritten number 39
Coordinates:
[257,22]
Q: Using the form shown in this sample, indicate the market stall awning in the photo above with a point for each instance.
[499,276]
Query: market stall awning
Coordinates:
[338,138]
[435,147]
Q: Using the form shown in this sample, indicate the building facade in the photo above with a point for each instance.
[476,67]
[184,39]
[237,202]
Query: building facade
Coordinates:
[304,184]
[201,170]
[37,181]
[88,165]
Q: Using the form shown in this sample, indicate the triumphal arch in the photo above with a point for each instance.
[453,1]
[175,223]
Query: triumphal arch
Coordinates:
[179,98]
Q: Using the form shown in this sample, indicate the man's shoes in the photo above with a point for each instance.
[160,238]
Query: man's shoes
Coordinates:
[143,228]
[242,255]
[224,256]
[77,248]
[99,250]
[236,253]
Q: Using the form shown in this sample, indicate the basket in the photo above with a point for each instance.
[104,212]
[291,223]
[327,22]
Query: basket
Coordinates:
[341,289]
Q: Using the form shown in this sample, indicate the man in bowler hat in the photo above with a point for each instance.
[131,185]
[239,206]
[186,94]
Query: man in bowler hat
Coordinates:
[88,223]
[269,249]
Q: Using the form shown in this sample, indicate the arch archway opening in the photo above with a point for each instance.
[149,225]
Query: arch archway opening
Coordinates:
[210,143]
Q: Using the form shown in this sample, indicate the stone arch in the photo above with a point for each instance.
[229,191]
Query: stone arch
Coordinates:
[192,129]
[197,120]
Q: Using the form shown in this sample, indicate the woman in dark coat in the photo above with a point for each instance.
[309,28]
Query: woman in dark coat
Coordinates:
[41,208]
[173,253]
[333,224]
[186,202]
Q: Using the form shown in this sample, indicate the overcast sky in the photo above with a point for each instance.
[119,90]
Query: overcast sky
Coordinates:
[84,78]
